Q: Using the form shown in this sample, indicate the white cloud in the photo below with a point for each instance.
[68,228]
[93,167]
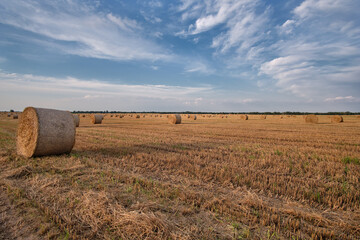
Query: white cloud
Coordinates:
[155,4]
[155,67]
[309,8]
[12,82]
[322,54]
[198,66]
[95,34]
[243,27]
[346,99]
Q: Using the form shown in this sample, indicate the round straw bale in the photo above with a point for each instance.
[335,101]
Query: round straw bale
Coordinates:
[137,116]
[312,118]
[175,119]
[9,115]
[97,118]
[15,116]
[76,120]
[45,132]
[337,119]
[262,116]
[83,116]
[193,117]
[244,117]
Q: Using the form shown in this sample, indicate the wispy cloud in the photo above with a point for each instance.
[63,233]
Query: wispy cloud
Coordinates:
[313,51]
[318,49]
[95,34]
[345,99]
[200,67]
[12,82]
[242,25]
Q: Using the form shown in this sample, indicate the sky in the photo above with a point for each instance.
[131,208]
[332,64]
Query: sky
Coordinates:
[185,55]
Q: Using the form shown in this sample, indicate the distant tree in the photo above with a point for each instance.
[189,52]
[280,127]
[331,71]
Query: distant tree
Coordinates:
[11,110]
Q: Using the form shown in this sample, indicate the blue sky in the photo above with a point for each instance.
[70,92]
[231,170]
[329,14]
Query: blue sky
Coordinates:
[187,55]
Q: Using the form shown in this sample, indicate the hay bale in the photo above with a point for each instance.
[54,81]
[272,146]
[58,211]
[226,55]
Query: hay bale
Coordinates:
[193,117]
[137,116]
[175,119]
[97,118]
[45,132]
[262,116]
[15,116]
[9,114]
[244,117]
[337,119]
[83,116]
[312,118]
[76,120]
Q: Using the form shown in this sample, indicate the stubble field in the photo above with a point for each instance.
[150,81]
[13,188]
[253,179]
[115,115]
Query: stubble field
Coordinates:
[210,178]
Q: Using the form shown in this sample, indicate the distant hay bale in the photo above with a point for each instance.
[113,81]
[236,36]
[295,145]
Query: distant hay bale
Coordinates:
[97,118]
[193,117]
[15,116]
[83,116]
[137,116]
[9,114]
[188,116]
[175,119]
[45,132]
[111,115]
[262,116]
[337,119]
[76,120]
[312,118]
[244,117]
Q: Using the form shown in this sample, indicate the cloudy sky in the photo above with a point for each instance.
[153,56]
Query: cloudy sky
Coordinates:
[195,55]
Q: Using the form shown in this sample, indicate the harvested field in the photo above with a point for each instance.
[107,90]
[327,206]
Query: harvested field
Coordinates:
[213,178]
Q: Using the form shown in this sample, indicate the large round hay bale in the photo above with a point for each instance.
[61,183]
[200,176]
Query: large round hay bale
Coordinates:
[337,119]
[15,116]
[97,118]
[312,118]
[137,116]
[175,119]
[244,117]
[76,120]
[193,117]
[45,132]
